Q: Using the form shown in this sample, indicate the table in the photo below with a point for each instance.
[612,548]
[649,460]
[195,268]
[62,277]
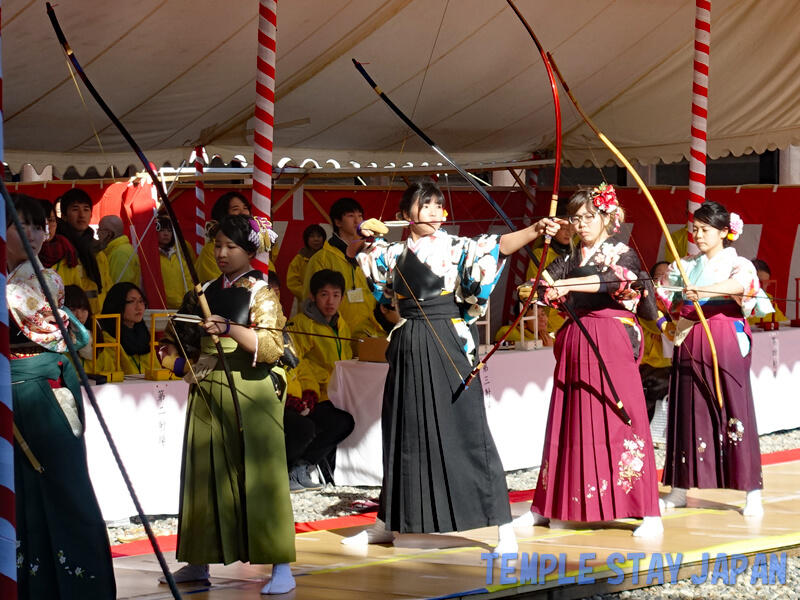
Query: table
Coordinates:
[147,419]
[516,387]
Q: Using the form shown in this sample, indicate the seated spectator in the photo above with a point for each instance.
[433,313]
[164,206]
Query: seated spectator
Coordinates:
[765,274]
[232,203]
[57,252]
[358,301]
[542,318]
[128,301]
[559,246]
[314,237]
[92,274]
[302,394]
[655,366]
[174,272]
[75,299]
[320,315]
[123,260]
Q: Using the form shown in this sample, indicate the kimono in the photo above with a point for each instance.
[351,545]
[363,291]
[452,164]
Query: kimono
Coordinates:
[62,542]
[596,466]
[709,446]
[441,468]
[234,495]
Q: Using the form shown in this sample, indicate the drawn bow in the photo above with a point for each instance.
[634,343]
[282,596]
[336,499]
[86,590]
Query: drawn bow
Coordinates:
[659,217]
[553,208]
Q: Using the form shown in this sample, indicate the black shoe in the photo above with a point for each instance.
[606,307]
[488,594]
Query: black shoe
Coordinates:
[300,474]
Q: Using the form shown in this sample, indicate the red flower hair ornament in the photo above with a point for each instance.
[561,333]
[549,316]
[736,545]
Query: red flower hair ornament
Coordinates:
[604,198]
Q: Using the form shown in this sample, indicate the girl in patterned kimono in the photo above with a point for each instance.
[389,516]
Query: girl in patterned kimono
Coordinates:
[441,469]
[595,465]
[234,499]
[709,446]
[62,543]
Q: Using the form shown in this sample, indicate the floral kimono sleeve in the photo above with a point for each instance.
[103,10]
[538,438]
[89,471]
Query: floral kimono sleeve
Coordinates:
[671,278]
[265,311]
[619,270]
[744,273]
[375,263]
[479,269]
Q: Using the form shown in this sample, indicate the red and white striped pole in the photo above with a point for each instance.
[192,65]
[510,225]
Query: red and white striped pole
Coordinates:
[697,159]
[200,205]
[265,117]
[8,533]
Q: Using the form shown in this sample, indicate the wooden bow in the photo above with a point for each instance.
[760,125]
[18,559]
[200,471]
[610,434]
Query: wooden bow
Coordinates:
[661,222]
[508,223]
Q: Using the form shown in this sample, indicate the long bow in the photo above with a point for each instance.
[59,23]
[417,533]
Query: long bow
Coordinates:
[661,222]
[162,195]
[508,223]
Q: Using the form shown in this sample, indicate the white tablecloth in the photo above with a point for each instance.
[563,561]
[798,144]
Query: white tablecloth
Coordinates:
[147,419]
[516,387]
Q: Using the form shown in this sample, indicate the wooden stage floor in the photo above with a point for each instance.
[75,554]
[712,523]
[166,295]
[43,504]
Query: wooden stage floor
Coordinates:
[450,566]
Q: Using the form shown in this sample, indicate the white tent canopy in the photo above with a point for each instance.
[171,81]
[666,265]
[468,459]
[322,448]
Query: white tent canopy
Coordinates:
[182,72]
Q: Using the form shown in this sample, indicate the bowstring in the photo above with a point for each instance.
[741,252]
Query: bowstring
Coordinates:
[406,136]
[430,325]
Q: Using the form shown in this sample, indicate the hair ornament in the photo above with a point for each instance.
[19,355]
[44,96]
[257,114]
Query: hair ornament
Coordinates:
[735,228]
[261,234]
[211,229]
[604,198]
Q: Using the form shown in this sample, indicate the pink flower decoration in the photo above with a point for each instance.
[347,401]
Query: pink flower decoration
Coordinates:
[736,227]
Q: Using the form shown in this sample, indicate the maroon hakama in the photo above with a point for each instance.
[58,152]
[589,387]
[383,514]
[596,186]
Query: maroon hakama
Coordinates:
[709,447]
[595,467]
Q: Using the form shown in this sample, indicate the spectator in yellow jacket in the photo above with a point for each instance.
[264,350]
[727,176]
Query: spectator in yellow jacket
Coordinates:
[123,260]
[765,275]
[92,274]
[547,338]
[314,237]
[232,203]
[320,315]
[357,302]
[75,299]
[174,272]
[128,301]
[655,366]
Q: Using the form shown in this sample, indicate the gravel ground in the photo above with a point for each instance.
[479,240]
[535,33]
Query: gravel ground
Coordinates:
[332,502]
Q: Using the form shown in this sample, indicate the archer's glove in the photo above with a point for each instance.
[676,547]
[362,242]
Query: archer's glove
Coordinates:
[372,227]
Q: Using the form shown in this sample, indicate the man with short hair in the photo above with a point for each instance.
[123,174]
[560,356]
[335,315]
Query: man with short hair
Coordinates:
[92,270]
[123,261]
[320,315]
[357,300]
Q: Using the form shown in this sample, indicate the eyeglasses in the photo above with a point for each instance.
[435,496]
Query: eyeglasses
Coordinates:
[138,301]
[586,219]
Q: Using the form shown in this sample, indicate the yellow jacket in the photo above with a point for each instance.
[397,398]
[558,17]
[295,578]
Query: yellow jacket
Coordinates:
[206,264]
[123,261]
[176,277]
[105,357]
[680,238]
[77,276]
[653,354]
[320,353]
[300,379]
[354,281]
[295,276]
[370,327]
